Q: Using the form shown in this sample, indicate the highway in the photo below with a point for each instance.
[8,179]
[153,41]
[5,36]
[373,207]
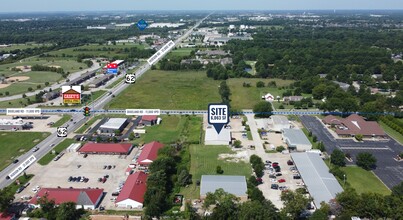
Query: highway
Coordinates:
[78,119]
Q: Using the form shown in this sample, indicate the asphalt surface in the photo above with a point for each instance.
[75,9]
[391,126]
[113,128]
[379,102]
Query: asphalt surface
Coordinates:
[79,119]
[388,170]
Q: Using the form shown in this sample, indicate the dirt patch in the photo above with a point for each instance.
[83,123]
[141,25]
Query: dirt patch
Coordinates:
[36,140]
[18,78]
[238,156]
[21,150]
[3,134]
[2,86]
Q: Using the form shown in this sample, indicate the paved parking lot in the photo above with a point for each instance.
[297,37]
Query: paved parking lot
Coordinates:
[388,170]
[57,172]
[273,194]
[39,125]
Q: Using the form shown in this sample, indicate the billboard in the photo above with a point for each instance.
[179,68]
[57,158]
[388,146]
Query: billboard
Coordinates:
[112,68]
[71,94]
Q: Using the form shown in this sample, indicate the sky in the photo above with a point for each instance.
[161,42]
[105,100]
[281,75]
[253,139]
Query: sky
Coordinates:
[118,5]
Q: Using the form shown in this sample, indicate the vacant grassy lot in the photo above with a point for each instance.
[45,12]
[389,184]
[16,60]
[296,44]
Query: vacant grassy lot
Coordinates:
[64,119]
[247,97]
[14,186]
[364,181]
[16,103]
[21,46]
[45,160]
[204,160]
[391,132]
[97,94]
[14,144]
[180,52]
[188,90]
[97,50]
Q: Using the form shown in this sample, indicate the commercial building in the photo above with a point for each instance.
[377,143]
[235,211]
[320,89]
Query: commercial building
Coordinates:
[100,81]
[149,153]
[73,147]
[114,124]
[321,184]
[132,194]
[235,185]
[278,123]
[14,124]
[106,148]
[149,120]
[81,79]
[213,138]
[87,198]
[289,99]
[50,96]
[353,125]
[296,140]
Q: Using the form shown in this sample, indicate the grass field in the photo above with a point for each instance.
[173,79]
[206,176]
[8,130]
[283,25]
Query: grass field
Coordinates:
[97,94]
[16,103]
[180,52]
[391,132]
[110,86]
[247,97]
[14,144]
[64,119]
[364,181]
[169,90]
[14,186]
[97,50]
[45,160]
[21,46]
[306,132]
[204,160]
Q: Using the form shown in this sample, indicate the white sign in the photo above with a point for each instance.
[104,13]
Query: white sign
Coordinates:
[143,111]
[22,167]
[130,78]
[154,58]
[24,111]
[218,114]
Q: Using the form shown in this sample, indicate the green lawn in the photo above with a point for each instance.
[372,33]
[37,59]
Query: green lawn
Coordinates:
[169,90]
[91,121]
[314,145]
[252,64]
[14,144]
[204,160]
[364,181]
[64,119]
[16,103]
[14,186]
[180,52]
[193,130]
[45,160]
[22,46]
[247,97]
[97,50]
[35,79]
[391,132]
[110,86]
[97,94]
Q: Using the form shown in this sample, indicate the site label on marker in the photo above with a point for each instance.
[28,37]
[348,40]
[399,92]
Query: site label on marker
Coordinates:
[218,116]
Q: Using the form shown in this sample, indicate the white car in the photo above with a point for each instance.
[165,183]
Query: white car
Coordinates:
[273,180]
[34,190]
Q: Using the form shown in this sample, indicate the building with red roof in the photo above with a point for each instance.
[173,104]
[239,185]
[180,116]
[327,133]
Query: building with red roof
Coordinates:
[87,198]
[7,216]
[149,120]
[106,148]
[353,125]
[132,194]
[149,153]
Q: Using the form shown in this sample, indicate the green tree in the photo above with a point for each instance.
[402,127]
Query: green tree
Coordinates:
[67,211]
[258,211]
[226,205]
[131,136]
[294,203]
[398,190]
[117,132]
[322,213]
[219,170]
[337,158]
[184,178]
[359,137]
[6,198]
[263,109]
[48,207]
[224,92]
[259,84]
[366,160]
[237,144]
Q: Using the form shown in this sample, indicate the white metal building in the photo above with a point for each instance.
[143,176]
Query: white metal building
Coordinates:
[73,147]
[296,140]
[278,123]
[235,185]
[213,138]
[114,124]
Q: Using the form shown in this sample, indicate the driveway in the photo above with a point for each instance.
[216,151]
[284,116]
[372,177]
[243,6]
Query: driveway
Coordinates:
[388,170]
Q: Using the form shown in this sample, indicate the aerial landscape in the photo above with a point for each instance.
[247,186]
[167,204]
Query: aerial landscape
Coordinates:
[201,110]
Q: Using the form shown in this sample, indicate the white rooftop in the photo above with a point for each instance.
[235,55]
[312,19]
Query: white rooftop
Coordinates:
[296,137]
[212,135]
[235,185]
[114,123]
[279,119]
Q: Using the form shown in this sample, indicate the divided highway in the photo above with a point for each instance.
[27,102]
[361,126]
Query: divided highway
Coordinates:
[78,118]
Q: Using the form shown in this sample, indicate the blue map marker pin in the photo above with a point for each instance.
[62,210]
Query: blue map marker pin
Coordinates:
[218,116]
[142,25]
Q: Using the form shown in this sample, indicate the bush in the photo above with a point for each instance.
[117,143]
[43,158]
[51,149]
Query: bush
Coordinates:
[219,170]
[237,144]
[30,89]
[281,107]
[280,148]
[359,137]
[260,84]
[337,172]
[314,139]
[366,160]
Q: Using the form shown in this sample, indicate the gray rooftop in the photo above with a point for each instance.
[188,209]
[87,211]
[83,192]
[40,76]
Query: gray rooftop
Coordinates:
[296,137]
[114,123]
[235,185]
[212,135]
[321,184]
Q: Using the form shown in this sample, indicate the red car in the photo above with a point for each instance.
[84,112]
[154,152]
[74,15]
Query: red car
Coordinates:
[281,180]
[274,165]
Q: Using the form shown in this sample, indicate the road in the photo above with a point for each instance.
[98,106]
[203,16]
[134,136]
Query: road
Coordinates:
[54,86]
[77,117]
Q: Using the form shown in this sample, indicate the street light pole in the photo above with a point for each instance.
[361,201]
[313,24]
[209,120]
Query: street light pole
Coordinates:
[344,175]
